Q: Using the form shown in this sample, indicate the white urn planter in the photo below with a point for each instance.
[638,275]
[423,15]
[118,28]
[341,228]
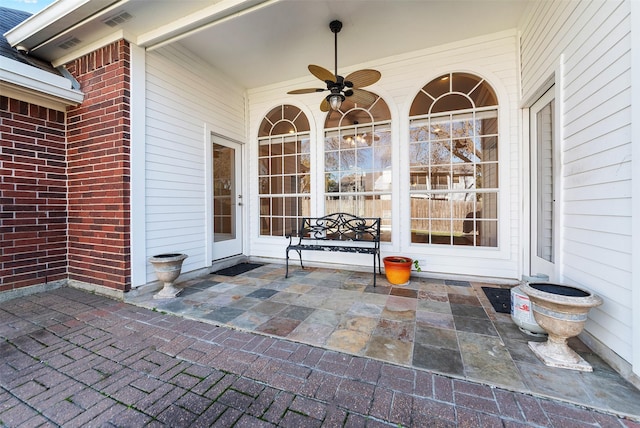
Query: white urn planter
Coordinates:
[561,310]
[168,268]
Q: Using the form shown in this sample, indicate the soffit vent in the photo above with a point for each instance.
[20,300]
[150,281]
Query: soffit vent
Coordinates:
[69,43]
[119,19]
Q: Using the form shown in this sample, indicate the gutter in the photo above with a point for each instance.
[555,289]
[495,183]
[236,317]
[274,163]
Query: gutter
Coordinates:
[52,20]
[25,78]
[65,73]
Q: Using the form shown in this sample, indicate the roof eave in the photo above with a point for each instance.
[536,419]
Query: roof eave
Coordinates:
[47,23]
[27,79]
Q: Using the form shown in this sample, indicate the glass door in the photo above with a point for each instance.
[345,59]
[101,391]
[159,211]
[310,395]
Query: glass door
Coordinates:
[544,189]
[227,200]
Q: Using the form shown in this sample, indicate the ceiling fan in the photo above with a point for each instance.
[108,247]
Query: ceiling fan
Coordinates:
[338,86]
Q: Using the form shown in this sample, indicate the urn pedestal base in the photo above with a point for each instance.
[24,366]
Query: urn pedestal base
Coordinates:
[559,355]
[168,268]
[168,292]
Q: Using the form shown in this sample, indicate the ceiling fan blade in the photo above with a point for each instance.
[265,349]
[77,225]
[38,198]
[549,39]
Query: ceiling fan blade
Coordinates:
[305,91]
[362,78]
[324,105]
[360,96]
[322,73]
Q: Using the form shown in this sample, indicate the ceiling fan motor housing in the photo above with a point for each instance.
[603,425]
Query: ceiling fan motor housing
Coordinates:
[335,26]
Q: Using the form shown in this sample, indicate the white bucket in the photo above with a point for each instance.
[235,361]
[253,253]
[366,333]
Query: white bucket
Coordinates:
[522,315]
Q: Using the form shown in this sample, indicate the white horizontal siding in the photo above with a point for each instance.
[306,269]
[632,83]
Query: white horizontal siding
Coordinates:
[182,95]
[592,39]
[618,243]
[616,189]
[587,223]
[601,144]
[604,175]
[610,98]
[493,57]
[616,259]
[543,33]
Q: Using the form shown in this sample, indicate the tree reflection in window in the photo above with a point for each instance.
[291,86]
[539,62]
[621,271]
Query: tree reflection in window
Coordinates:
[357,161]
[453,152]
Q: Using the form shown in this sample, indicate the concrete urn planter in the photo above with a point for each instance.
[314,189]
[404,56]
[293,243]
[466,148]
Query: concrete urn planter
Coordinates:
[561,310]
[168,268]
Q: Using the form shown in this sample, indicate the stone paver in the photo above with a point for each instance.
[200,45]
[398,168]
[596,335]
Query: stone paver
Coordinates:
[73,359]
[436,325]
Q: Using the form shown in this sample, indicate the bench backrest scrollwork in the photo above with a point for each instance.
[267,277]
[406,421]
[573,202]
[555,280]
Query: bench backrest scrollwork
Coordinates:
[341,227]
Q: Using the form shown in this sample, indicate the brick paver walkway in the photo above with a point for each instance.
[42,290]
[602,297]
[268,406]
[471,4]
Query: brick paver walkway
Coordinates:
[73,359]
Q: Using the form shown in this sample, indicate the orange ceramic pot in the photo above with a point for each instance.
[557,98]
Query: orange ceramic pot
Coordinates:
[397,269]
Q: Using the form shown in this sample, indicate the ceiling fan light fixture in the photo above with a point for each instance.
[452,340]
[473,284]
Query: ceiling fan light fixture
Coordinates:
[340,86]
[335,101]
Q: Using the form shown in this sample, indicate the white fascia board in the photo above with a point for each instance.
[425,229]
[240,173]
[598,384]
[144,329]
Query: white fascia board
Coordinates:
[39,81]
[21,93]
[42,19]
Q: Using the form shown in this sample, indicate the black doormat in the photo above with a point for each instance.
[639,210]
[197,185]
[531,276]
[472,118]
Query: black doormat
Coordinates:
[500,299]
[237,269]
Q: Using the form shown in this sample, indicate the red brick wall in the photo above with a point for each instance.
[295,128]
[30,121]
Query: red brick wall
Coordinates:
[33,200]
[98,169]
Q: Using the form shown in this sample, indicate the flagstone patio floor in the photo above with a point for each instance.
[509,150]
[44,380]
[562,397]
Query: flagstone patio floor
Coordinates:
[442,326]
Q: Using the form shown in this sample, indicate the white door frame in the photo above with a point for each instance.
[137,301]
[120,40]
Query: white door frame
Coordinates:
[536,265]
[227,249]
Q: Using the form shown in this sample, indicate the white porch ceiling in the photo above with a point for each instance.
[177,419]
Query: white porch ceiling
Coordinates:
[259,42]
[276,43]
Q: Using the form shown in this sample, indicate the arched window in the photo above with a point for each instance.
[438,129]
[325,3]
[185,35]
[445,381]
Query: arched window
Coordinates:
[453,152]
[357,160]
[284,168]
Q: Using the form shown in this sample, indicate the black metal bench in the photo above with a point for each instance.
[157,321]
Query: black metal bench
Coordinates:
[338,232]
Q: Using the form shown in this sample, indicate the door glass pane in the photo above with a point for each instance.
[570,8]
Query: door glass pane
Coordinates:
[545,196]
[223,193]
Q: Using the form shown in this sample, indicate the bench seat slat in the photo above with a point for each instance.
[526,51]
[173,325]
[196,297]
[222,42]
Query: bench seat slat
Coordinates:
[361,233]
[341,248]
